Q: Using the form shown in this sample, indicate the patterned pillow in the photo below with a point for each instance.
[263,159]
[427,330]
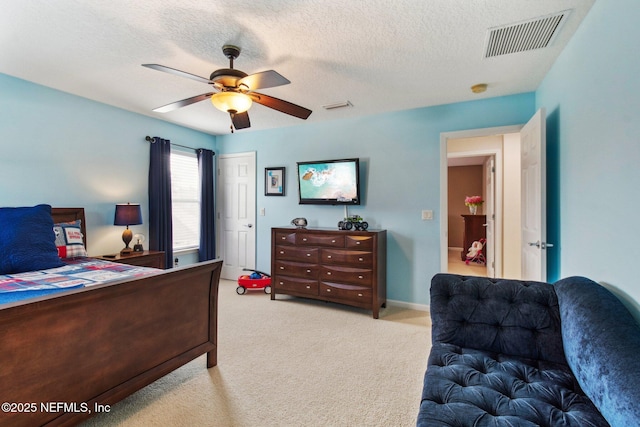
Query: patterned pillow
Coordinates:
[69,239]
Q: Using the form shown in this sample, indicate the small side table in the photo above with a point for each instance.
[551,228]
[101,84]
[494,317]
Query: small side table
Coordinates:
[154,259]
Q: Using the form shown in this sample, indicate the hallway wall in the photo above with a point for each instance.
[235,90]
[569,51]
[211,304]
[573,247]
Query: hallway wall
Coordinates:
[463,181]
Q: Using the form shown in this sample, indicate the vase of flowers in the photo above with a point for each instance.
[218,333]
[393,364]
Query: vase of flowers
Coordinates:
[473,202]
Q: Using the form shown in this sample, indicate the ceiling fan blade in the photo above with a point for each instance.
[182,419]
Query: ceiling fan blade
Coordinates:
[263,80]
[183,103]
[240,120]
[280,105]
[177,72]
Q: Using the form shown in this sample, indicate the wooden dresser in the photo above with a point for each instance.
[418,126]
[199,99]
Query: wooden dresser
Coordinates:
[474,230]
[346,267]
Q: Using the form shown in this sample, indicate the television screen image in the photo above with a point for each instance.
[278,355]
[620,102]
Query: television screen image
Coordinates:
[329,182]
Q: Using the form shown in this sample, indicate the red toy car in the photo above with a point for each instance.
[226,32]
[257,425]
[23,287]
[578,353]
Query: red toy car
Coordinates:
[255,280]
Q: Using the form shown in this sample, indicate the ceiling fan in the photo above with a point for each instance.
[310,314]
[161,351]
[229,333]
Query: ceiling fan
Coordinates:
[234,91]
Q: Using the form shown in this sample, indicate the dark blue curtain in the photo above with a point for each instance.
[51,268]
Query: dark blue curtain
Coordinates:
[207,249]
[160,218]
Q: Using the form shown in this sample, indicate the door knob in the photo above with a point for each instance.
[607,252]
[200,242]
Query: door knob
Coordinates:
[539,244]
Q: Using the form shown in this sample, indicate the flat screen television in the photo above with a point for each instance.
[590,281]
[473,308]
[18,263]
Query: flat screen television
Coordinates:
[329,182]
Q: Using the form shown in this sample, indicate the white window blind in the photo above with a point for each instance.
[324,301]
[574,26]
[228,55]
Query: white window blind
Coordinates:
[185,193]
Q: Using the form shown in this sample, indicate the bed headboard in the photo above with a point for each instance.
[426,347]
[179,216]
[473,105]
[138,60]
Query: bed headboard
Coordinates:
[69,215]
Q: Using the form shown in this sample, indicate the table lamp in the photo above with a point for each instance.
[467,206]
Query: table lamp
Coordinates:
[129,214]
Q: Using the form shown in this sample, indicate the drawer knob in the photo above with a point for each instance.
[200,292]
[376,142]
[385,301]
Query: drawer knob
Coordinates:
[360,259]
[360,277]
[308,286]
[281,268]
[308,254]
[357,243]
[308,271]
[304,239]
[281,252]
[333,241]
[328,273]
[359,295]
[328,256]
[283,238]
[282,283]
[328,290]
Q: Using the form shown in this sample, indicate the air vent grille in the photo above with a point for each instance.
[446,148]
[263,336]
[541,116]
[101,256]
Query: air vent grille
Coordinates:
[534,34]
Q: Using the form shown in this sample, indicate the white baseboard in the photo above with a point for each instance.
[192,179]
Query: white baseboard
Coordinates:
[409,305]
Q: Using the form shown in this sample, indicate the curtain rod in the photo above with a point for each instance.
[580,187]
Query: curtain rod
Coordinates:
[150,139]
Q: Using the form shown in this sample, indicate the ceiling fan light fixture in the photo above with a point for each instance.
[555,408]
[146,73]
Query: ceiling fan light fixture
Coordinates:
[231,101]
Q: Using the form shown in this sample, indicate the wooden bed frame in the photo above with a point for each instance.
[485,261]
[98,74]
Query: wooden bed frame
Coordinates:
[64,355]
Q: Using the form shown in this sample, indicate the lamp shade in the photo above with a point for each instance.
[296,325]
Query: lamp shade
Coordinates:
[228,102]
[129,214]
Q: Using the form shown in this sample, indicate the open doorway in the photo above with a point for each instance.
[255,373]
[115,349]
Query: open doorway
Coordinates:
[470,238]
[496,149]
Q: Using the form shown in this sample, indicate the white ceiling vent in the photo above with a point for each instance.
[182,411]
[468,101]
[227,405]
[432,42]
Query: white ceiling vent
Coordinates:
[528,35]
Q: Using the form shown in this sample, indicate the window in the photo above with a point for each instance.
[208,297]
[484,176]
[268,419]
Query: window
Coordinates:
[185,194]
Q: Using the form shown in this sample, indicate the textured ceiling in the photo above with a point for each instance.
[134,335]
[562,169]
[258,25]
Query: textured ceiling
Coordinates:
[381,56]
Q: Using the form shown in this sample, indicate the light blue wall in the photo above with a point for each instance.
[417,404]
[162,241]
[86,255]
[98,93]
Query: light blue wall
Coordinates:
[400,167]
[64,150]
[592,95]
[68,151]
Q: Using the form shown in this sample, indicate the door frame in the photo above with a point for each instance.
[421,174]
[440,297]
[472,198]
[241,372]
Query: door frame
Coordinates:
[491,183]
[444,186]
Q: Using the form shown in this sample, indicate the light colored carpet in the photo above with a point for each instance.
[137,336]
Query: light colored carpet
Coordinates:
[292,362]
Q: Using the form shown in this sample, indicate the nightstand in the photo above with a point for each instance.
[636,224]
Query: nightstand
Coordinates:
[153,259]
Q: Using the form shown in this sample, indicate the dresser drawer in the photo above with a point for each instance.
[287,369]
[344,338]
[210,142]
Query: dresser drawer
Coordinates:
[295,285]
[295,253]
[356,276]
[297,269]
[282,237]
[357,294]
[335,256]
[359,242]
[305,239]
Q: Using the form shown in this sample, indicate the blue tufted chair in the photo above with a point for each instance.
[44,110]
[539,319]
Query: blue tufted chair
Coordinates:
[497,358]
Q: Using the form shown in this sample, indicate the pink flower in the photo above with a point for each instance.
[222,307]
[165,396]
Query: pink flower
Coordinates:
[473,201]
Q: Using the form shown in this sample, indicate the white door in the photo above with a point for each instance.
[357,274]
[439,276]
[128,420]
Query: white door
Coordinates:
[489,210]
[533,198]
[236,213]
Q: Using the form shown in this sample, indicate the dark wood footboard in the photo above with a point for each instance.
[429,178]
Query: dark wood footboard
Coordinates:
[65,357]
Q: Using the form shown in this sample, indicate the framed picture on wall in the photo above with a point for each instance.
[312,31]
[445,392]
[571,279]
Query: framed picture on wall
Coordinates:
[274,181]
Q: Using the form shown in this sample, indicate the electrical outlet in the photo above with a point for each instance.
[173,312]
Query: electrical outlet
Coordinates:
[427,215]
[262,212]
